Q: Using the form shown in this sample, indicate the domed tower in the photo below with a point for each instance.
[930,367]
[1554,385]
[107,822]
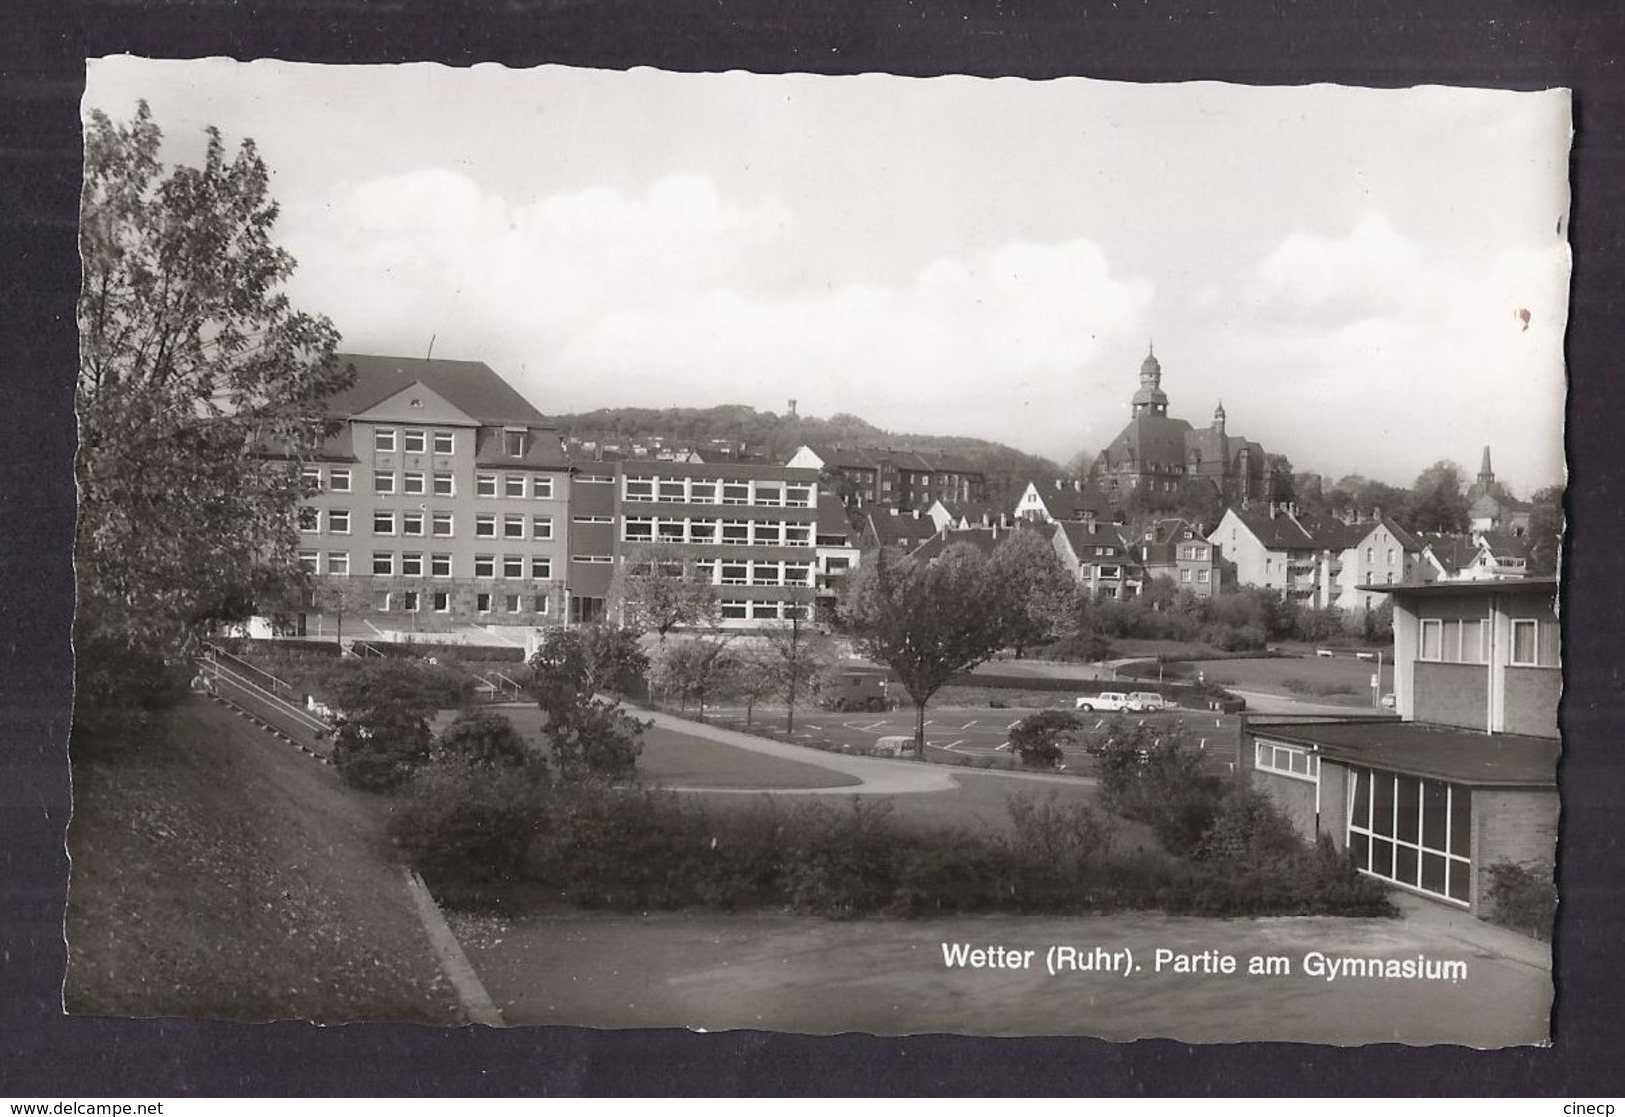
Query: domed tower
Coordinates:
[1150,399]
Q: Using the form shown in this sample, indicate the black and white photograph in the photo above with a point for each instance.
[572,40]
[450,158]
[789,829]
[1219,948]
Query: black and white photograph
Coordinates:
[818,554]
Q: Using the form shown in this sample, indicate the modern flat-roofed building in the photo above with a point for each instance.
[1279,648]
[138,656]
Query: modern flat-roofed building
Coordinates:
[439,503]
[748,529]
[1466,778]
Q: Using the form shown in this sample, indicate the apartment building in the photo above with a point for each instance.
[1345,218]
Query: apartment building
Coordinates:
[439,503]
[1466,778]
[899,479]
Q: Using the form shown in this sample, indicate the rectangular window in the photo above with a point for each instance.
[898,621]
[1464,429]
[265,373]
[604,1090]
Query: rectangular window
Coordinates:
[539,603]
[309,561]
[1525,648]
[513,484]
[442,601]
[798,535]
[765,574]
[592,558]
[511,603]
[380,600]
[412,565]
[513,566]
[440,566]
[338,480]
[412,483]
[736,492]
[595,479]
[482,602]
[735,574]
[485,484]
[383,482]
[513,527]
[673,490]
[513,443]
[485,527]
[383,522]
[736,532]
[1185,574]
[594,519]
[1411,831]
[338,521]
[541,527]
[444,485]
[445,442]
[338,563]
[541,569]
[310,479]
[1287,760]
[640,490]
[441,524]
[485,566]
[764,611]
[409,601]
[1432,641]
[541,488]
[798,574]
[1202,576]
[310,519]
[383,440]
[767,533]
[411,523]
[702,531]
[702,492]
[383,563]
[734,610]
[769,495]
[414,442]
[670,531]
[798,496]
[638,529]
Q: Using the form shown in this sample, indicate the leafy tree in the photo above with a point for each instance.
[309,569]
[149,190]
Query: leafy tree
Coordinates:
[1438,500]
[795,654]
[697,668]
[660,588]
[1036,591]
[755,677]
[384,734]
[926,621]
[588,736]
[343,597]
[192,366]
[1546,523]
[1283,482]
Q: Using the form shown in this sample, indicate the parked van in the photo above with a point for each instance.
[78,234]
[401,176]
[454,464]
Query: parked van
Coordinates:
[1147,700]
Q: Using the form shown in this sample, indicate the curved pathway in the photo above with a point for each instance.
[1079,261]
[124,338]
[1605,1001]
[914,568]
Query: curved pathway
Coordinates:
[872,775]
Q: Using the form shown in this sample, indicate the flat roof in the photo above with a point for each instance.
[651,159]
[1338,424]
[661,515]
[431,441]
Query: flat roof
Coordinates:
[1468,587]
[1463,756]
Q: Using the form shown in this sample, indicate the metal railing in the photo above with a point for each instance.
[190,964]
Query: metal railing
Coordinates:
[264,679]
[222,679]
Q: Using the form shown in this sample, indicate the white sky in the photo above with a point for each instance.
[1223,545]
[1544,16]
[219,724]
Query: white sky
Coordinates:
[1343,268]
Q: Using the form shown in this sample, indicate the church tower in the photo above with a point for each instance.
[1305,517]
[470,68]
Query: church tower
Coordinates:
[1218,418]
[1150,399]
[1486,475]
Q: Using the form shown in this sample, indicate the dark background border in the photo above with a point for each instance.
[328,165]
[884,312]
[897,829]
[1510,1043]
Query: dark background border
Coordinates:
[1486,43]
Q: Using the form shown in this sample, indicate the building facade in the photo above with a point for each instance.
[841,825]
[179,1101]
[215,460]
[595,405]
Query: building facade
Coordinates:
[900,479]
[1466,778]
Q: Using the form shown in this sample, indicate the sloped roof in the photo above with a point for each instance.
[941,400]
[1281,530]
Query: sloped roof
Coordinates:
[984,539]
[1150,438]
[1502,543]
[832,516]
[471,386]
[1451,551]
[543,450]
[1079,537]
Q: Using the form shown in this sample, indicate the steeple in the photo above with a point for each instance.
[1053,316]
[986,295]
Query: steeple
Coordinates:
[1150,399]
[1218,418]
[1486,475]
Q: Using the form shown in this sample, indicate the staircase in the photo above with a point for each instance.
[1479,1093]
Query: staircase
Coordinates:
[262,698]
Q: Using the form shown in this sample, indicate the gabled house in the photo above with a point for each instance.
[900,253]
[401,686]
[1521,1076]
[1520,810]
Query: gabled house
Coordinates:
[1492,508]
[1269,546]
[1466,778]
[946,515]
[1175,549]
[898,531]
[1062,500]
[1098,558]
[1379,552]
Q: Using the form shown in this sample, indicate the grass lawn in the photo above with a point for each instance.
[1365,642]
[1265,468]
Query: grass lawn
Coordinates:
[1321,675]
[219,872]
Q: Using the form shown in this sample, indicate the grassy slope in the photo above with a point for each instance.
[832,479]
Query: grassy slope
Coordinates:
[222,873]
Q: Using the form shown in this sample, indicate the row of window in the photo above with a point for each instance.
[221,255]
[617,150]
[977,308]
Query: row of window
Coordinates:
[766,533]
[415,564]
[439,601]
[763,611]
[695,490]
[1287,760]
[1466,640]
[1412,831]
[413,441]
[440,524]
[724,573]
[533,486]
[1202,576]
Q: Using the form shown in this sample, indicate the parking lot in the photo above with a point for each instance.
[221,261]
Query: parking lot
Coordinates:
[975,732]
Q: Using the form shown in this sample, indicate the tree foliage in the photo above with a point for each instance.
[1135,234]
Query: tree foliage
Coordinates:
[484,737]
[1546,523]
[1037,737]
[926,621]
[589,736]
[794,656]
[1438,500]
[192,365]
[694,669]
[1036,591]
[659,588]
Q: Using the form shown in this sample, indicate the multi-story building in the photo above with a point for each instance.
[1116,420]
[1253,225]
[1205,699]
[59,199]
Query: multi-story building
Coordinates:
[1160,457]
[1175,549]
[1095,554]
[1271,547]
[440,502]
[746,529]
[899,479]
[1467,778]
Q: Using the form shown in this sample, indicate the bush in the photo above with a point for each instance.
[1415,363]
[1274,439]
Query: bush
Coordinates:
[484,737]
[1037,738]
[1524,897]
[469,821]
[1159,781]
[846,863]
[381,749]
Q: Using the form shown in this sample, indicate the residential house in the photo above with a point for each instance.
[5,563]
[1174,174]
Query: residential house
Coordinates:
[1379,552]
[901,479]
[1063,500]
[1491,508]
[1175,549]
[1270,546]
[835,547]
[1097,557]
[1466,779]
[965,514]
[895,530]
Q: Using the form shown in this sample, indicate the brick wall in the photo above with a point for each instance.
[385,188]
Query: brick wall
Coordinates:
[1532,694]
[1334,803]
[1450,693]
[1516,825]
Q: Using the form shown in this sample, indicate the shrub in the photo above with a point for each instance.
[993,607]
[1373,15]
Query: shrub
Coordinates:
[1524,897]
[1159,781]
[1247,826]
[1037,738]
[469,820]
[594,739]
[484,737]
[381,748]
[1056,849]
[845,864]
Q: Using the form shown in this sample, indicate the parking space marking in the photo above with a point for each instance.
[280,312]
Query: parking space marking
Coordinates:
[967,725]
